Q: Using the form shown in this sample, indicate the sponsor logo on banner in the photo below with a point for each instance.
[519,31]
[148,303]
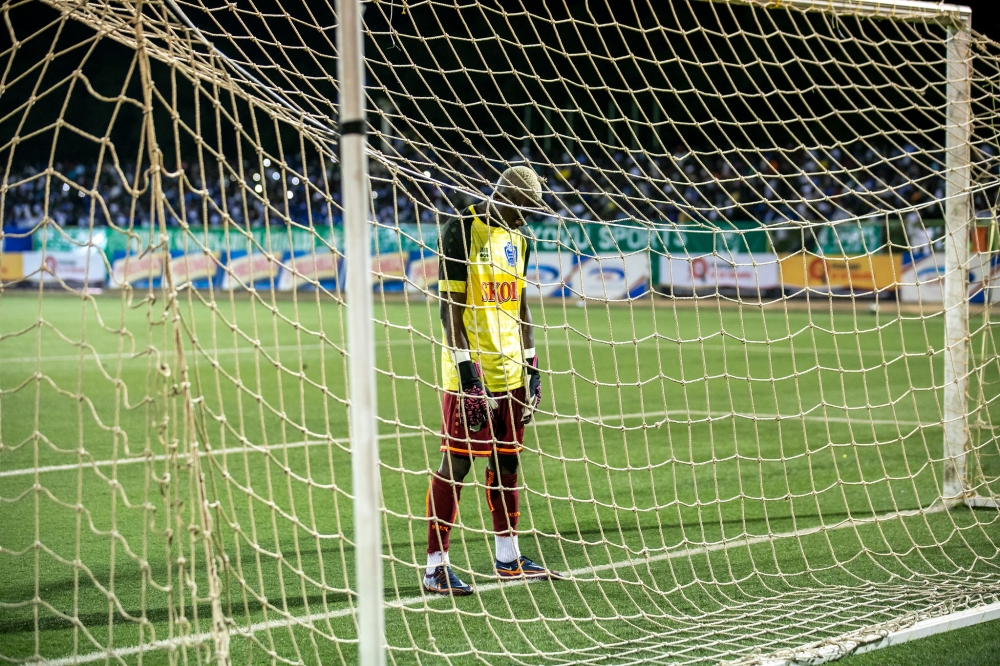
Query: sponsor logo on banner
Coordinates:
[249,269]
[194,268]
[134,270]
[922,277]
[545,271]
[306,271]
[607,276]
[708,273]
[612,277]
[869,273]
[80,266]
[11,266]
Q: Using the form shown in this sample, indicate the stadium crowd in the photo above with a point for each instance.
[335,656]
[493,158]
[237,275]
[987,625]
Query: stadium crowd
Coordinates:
[767,187]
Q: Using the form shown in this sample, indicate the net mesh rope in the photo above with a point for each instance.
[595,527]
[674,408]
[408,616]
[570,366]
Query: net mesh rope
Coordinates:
[727,470]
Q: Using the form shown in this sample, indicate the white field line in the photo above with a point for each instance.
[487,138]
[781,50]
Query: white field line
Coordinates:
[606,421]
[666,346]
[583,574]
[874,638]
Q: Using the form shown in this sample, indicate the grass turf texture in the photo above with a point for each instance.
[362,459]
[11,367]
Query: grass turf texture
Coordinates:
[660,437]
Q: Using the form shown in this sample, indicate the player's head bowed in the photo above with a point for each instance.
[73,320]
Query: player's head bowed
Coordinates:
[520,186]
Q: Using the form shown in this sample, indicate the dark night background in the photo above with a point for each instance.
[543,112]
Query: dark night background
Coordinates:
[985,15]
[391,61]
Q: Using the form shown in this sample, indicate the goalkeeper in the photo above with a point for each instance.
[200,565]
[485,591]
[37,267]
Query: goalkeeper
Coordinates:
[490,374]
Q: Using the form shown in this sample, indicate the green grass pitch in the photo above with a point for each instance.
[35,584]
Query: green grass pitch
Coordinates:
[718,479]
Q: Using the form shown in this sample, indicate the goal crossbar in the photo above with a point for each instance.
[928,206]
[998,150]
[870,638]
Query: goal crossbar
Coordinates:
[900,10]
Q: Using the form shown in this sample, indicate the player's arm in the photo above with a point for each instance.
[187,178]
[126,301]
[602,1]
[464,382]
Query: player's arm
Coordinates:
[533,385]
[527,328]
[453,279]
[453,306]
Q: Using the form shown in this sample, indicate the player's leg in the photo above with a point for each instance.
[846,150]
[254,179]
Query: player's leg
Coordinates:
[442,509]
[502,494]
[502,500]
[458,447]
[443,497]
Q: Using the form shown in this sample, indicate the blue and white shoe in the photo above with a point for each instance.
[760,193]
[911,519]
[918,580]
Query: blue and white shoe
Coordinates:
[525,568]
[444,581]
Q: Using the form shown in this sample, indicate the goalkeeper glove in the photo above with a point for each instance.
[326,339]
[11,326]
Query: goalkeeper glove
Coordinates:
[533,396]
[476,401]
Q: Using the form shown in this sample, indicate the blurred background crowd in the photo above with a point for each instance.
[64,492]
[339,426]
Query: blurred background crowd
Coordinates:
[683,187]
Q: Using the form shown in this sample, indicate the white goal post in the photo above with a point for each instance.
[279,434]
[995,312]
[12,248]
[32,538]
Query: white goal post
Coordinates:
[361,339]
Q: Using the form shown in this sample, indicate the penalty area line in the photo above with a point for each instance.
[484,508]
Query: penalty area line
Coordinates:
[580,575]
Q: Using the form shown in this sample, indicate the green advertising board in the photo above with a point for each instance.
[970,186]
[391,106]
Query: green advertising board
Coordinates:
[65,239]
[587,238]
[727,238]
[850,238]
[274,239]
[680,240]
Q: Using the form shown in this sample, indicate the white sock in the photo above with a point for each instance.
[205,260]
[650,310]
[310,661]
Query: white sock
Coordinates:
[507,550]
[434,560]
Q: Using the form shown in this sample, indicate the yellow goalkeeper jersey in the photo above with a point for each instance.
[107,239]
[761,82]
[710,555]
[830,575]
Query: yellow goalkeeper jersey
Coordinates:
[487,264]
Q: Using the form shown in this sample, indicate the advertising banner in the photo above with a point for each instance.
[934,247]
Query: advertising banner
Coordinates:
[728,238]
[11,266]
[14,239]
[310,270]
[255,270]
[709,273]
[856,275]
[390,270]
[421,272]
[140,271]
[611,277]
[922,277]
[404,238]
[275,240]
[54,238]
[851,238]
[681,240]
[607,276]
[195,269]
[575,258]
[75,267]
[549,274]
[591,238]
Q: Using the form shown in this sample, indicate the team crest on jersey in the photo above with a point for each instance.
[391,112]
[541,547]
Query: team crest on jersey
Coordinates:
[511,252]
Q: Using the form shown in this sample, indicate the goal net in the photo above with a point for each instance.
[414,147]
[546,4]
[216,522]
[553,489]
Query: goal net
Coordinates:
[761,300]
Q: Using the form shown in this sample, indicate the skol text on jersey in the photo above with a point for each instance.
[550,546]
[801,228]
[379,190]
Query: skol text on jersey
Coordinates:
[499,292]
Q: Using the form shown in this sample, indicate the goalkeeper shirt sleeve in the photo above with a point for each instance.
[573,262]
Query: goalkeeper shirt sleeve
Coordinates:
[527,252]
[453,253]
